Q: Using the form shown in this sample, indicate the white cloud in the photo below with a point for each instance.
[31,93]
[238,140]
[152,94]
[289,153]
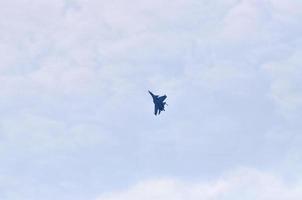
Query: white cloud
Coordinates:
[287,11]
[243,21]
[72,70]
[242,184]
[67,48]
[39,134]
[256,22]
[286,83]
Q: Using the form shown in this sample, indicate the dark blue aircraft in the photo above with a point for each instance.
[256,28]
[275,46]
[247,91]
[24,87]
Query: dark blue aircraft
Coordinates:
[159,104]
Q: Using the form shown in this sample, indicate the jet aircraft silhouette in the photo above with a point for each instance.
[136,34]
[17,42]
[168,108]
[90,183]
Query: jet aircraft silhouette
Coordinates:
[159,104]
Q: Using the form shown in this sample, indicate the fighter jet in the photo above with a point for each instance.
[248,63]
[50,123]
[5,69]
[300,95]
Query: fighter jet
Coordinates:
[159,104]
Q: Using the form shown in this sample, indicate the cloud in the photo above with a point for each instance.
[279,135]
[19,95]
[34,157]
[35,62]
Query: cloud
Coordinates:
[286,83]
[258,22]
[74,76]
[40,135]
[84,46]
[241,184]
[287,11]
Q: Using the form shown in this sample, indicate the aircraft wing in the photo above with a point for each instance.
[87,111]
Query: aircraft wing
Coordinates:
[162,98]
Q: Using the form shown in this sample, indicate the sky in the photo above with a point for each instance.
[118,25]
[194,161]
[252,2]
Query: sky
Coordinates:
[77,121]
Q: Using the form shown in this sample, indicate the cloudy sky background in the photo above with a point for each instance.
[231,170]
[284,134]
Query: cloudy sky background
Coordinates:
[77,122]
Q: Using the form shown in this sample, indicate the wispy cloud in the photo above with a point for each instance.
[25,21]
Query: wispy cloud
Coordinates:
[74,107]
[241,184]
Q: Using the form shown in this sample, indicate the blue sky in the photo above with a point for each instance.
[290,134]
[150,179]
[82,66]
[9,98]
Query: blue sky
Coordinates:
[77,122]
